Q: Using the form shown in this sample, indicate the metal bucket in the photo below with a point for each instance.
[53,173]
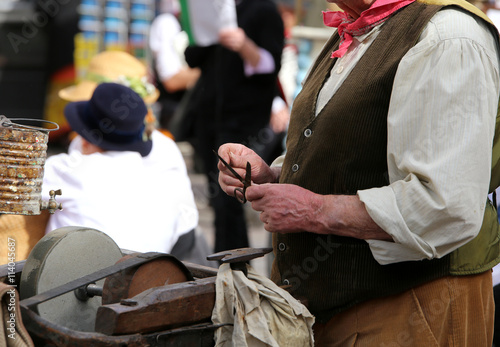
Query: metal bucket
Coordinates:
[23,151]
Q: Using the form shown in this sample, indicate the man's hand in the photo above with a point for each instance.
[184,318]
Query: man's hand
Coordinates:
[232,38]
[236,40]
[237,156]
[286,208]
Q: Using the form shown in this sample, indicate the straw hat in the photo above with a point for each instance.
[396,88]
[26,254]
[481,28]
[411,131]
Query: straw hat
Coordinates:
[113,66]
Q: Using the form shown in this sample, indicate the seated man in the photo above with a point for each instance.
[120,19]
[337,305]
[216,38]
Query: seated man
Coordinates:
[118,180]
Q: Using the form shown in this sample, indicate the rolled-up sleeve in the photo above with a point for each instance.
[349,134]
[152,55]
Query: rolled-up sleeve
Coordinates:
[440,130]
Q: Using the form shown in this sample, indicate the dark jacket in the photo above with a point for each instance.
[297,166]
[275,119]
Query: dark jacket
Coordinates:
[224,94]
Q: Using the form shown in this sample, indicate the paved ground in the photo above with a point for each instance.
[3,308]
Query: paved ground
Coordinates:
[258,237]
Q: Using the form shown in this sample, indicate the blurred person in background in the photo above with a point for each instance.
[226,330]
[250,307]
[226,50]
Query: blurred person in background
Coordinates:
[172,75]
[117,179]
[232,101]
[165,156]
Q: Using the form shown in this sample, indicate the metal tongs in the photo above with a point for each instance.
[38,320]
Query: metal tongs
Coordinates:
[247,181]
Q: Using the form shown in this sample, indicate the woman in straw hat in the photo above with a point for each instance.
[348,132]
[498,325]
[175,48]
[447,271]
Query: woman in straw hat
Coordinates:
[107,66]
[112,66]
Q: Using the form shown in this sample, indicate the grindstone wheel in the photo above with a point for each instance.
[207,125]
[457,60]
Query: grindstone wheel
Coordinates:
[61,256]
[132,281]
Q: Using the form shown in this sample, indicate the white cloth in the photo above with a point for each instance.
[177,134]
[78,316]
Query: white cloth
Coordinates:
[169,6]
[441,123]
[260,313]
[205,19]
[496,268]
[494,15]
[143,204]
[496,275]
[13,333]
[167,42]
[288,72]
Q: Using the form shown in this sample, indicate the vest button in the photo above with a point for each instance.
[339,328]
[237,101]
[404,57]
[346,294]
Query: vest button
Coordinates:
[295,167]
[307,132]
[286,282]
[281,246]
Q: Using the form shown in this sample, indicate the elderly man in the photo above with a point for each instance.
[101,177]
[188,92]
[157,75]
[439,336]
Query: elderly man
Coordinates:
[381,222]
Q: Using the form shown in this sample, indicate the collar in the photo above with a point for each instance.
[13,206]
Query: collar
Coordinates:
[348,27]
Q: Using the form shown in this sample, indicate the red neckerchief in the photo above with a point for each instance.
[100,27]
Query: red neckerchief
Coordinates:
[348,27]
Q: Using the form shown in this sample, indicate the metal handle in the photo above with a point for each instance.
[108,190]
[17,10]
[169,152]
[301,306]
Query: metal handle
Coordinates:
[52,205]
[7,122]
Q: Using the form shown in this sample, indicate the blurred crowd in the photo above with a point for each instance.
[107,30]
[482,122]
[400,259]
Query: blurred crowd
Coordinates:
[228,91]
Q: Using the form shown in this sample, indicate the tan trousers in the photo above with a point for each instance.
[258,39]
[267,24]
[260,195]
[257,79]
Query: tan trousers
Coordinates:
[451,311]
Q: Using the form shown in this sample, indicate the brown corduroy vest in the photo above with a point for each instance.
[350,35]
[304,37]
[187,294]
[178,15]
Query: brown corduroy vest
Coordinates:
[341,151]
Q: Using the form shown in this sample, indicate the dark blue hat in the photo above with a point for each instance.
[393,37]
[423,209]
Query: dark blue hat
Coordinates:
[113,119]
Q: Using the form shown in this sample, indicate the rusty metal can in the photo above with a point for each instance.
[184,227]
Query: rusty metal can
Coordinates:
[23,151]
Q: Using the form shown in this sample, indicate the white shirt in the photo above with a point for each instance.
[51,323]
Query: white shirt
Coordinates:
[143,204]
[494,15]
[441,123]
[167,42]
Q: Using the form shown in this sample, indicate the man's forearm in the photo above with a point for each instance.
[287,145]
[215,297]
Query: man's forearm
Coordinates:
[346,215]
[182,80]
[250,53]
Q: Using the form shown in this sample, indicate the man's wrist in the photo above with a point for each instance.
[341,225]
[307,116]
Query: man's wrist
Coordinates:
[275,172]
